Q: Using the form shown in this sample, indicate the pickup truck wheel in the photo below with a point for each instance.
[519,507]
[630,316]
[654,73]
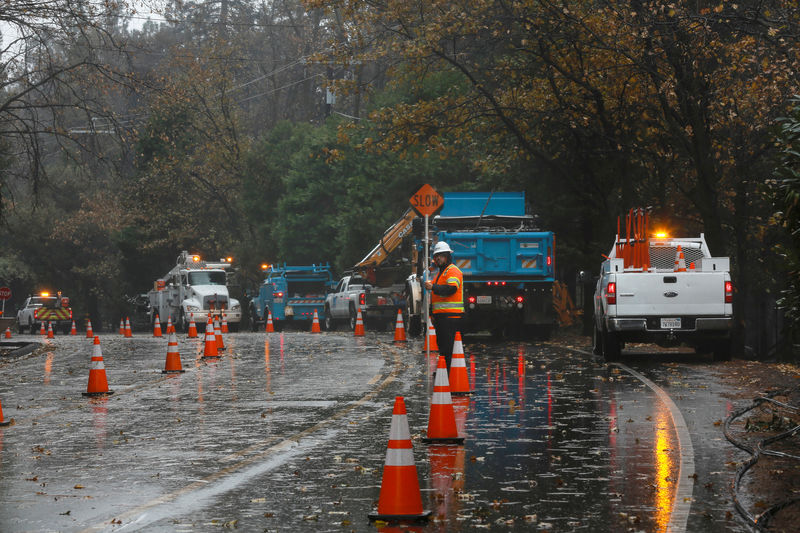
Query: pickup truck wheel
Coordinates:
[353,318]
[597,346]
[611,346]
[330,323]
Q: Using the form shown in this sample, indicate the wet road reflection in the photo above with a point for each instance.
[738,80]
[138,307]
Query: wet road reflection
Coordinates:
[555,440]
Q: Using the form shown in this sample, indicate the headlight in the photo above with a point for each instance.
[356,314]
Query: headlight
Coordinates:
[235,307]
[192,308]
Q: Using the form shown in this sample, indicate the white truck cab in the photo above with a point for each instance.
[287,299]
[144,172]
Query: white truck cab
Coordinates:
[195,287]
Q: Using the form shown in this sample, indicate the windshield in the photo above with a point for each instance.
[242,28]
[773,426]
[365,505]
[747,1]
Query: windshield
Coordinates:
[207,277]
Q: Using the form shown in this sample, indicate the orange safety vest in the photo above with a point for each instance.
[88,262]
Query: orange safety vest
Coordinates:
[455,302]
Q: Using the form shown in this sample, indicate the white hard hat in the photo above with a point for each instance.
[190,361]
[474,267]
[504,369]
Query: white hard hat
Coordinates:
[441,247]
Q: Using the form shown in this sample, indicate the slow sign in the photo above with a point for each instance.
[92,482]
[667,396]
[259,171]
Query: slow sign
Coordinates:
[426,201]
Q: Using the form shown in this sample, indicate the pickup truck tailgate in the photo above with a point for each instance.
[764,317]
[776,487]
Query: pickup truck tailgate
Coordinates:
[670,293]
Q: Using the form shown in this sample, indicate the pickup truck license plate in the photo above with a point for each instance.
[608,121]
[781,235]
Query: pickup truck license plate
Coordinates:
[289,311]
[670,323]
[484,299]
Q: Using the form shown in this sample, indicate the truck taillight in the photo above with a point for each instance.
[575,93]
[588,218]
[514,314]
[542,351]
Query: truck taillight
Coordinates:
[611,293]
[278,295]
[362,299]
[471,299]
[35,313]
[519,299]
[728,292]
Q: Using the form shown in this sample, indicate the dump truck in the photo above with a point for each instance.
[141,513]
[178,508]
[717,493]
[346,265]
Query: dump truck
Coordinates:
[507,262]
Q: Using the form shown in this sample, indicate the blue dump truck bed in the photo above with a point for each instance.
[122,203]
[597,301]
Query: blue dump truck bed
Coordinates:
[483,256]
[292,294]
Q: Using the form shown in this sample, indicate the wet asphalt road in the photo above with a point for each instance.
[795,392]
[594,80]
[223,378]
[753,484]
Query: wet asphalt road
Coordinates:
[288,432]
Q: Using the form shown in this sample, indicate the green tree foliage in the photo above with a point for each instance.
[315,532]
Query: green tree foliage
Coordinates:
[787,200]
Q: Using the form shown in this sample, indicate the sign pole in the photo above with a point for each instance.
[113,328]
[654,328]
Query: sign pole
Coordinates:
[426,300]
[425,202]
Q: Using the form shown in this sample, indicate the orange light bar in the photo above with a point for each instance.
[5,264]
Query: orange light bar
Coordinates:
[45,294]
[196,258]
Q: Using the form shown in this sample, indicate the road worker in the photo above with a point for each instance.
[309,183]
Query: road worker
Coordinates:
[447,299]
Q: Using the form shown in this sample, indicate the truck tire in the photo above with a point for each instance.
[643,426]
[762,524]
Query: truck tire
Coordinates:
[611,346]
[182,325]
[253,319]
[597,345]
[353,318]
[412,321]
[330,322]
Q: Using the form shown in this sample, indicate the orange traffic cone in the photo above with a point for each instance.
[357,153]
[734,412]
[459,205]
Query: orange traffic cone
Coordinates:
[442,420]
[192,327]
[399,328]
[42,331]
[170,327]
[50,334]
[173,363]
[4,422]
[400,497]
[157,326]
[218,335]
[315,323]
[128,330]
[680,261]
[270,326]
[8,333]
[459,381]
[73,330]
[359,329]
[89,333]
[98,384]
[224,325]
[122,326]
[692,267]
[210,348]
[430,338]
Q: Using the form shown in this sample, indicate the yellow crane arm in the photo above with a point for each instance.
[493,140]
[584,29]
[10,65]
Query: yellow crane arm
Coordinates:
[391,239]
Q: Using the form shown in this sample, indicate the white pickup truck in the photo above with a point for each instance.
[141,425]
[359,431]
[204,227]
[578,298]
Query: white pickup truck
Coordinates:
[378,305]
[662,304]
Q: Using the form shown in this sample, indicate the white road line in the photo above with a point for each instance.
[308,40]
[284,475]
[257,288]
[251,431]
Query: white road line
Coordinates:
[264,460]
[683,495]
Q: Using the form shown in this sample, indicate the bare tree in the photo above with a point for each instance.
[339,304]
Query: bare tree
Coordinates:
[55,76]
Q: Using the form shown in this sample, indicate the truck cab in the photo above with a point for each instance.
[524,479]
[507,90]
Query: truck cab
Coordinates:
[195,287]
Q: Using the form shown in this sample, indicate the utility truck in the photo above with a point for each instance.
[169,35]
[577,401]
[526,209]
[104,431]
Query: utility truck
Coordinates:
[291,294]
[662,290]
[195,287]
[507,262]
